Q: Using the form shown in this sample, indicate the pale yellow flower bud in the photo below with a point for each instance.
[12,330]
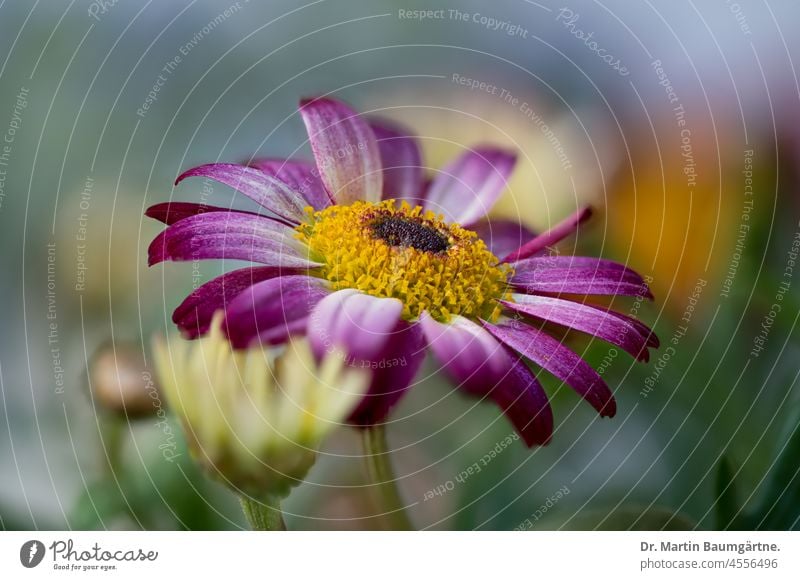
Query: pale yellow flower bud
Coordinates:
[255,418]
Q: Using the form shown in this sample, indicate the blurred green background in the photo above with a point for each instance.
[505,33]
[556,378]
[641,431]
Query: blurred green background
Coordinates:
[677,120]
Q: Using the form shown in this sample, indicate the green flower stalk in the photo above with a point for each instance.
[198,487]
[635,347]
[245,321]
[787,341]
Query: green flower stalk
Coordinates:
[255,418]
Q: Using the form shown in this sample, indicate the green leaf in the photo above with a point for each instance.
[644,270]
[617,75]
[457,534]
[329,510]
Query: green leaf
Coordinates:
[779,507]
[727,507]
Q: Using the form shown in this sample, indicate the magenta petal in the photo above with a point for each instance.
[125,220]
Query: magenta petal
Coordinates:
[550,354]
[345,150]
[393,372]
[368,332]
[300,176]
[577,275]
[501,236]
[401,160]
[265,190]
[468,187]
[647,334]
[193,316]
[353,323]
[551,236]
[173,211]
[484,367]
[594,321]
[542,263]
[228,235]
[273,309]
[472,356]
[525,404]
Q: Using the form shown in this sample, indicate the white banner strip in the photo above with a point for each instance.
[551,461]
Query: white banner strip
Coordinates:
[388,555]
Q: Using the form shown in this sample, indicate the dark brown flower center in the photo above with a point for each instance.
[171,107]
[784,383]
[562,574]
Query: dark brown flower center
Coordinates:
[409,233]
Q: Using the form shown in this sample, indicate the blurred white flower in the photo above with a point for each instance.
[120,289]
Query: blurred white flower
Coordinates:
[255,418]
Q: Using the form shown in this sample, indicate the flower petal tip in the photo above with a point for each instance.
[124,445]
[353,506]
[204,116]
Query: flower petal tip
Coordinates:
[157,251]
[498,155]
[585,213]
[182,176]
[609,409]
[320,99]
[153,211]
[551,237]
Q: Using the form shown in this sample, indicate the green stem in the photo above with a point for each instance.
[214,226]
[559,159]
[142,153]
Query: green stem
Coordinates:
[263,515]
[382,478]
[113,437]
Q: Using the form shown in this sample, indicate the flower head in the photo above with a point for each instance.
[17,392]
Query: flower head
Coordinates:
[253,419]
[441,268]
[366,255]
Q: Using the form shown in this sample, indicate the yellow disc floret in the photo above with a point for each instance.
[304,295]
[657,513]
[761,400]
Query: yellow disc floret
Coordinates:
[408,254]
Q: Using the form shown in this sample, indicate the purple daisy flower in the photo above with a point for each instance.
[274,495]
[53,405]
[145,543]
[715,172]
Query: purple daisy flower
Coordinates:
[361,252]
